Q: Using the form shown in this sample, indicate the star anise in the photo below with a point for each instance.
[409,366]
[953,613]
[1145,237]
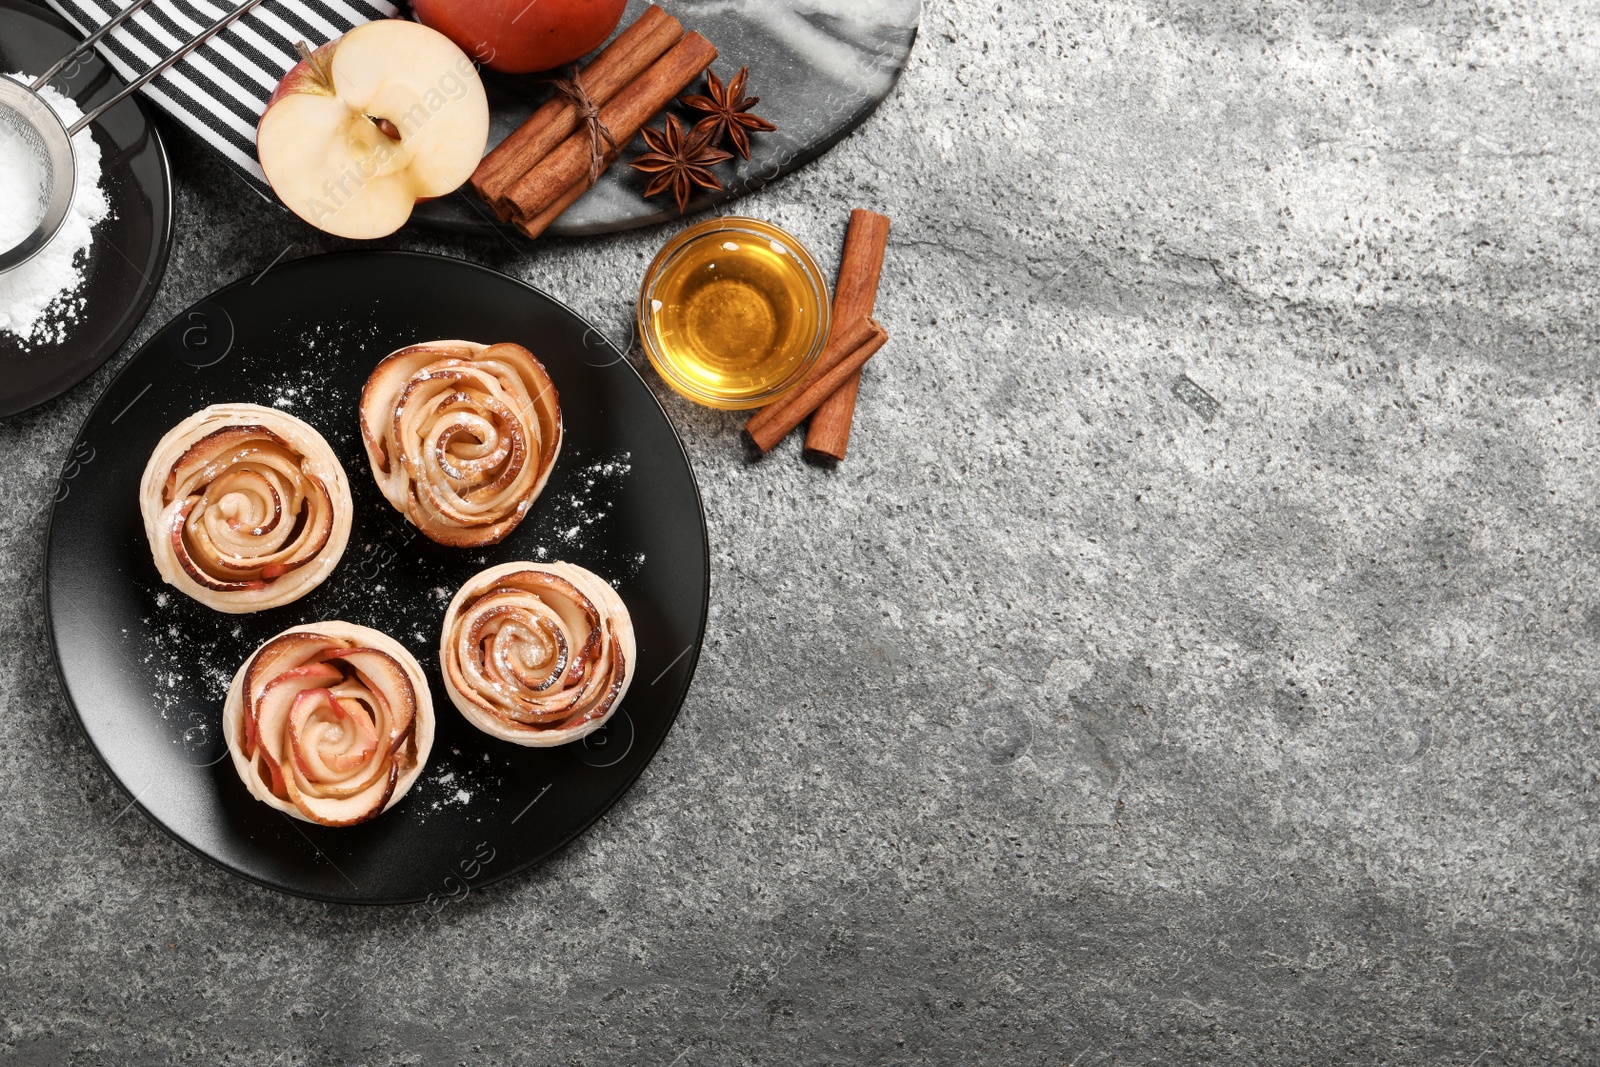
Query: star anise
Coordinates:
[728,111]
[680,160]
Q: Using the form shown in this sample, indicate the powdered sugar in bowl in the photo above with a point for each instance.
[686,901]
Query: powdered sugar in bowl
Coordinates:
[36,173]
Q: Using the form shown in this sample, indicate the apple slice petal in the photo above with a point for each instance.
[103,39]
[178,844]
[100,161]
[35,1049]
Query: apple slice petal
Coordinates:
[274,775]
[338,767]
[274,661]
[277,703]
[306,704]
[354,784]
[379,398]
[341,811]
[204,452]
[281,654]
[360,741]
[388,681]
[307,730]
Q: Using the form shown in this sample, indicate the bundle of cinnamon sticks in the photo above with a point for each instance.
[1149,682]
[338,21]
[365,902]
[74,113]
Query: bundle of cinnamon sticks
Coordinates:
[553,158]
[827,396]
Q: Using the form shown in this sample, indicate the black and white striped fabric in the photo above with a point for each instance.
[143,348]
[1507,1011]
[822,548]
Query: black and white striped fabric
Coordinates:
[220,89]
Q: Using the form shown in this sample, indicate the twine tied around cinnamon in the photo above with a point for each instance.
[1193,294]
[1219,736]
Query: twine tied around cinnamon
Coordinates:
[589,114]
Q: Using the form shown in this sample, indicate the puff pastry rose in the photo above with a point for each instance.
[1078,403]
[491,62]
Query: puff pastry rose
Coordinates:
[245,507]
[538,654]
[330,723]
[462,437]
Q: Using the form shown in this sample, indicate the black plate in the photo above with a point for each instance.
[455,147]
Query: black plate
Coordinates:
[129,253]
[146,669]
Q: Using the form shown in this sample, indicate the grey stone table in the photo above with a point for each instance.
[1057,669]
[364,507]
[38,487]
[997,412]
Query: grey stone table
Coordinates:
[1193,662]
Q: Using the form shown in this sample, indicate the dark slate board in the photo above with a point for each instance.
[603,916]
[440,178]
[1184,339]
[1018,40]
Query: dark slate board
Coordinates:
[820,67]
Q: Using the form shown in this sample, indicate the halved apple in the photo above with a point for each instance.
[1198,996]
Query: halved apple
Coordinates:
[364,127]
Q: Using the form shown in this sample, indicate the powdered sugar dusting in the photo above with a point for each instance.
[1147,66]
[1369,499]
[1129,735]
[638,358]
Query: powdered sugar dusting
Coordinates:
[575,515]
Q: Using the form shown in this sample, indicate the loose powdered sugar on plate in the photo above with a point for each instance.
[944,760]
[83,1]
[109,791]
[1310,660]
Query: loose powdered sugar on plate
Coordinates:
[40,299]
[21,178]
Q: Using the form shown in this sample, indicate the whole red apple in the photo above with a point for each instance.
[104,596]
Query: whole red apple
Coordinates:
[521,36]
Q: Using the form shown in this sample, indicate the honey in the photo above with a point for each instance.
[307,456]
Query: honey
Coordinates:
[733,312]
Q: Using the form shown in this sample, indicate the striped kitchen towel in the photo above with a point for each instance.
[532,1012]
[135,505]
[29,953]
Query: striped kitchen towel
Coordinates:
[220,89]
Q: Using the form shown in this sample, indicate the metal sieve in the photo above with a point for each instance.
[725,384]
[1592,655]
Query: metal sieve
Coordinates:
[25,115]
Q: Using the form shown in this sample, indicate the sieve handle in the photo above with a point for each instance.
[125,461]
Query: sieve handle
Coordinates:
[154,72]
[88,43]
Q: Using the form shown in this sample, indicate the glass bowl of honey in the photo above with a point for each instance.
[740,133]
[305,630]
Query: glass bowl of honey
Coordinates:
[734,313]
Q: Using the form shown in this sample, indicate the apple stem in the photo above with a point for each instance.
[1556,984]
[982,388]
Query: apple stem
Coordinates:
[320,68]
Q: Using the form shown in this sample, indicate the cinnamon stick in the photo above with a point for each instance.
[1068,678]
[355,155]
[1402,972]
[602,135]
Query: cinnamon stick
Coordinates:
[775,421]
[623,60]
[840,343]
[855,294]
[553,177]
[541,222]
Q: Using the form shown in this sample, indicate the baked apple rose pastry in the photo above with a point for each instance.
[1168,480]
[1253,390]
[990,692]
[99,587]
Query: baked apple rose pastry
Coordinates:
[330,723]
[538,654]
[245,507]
[462,437]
